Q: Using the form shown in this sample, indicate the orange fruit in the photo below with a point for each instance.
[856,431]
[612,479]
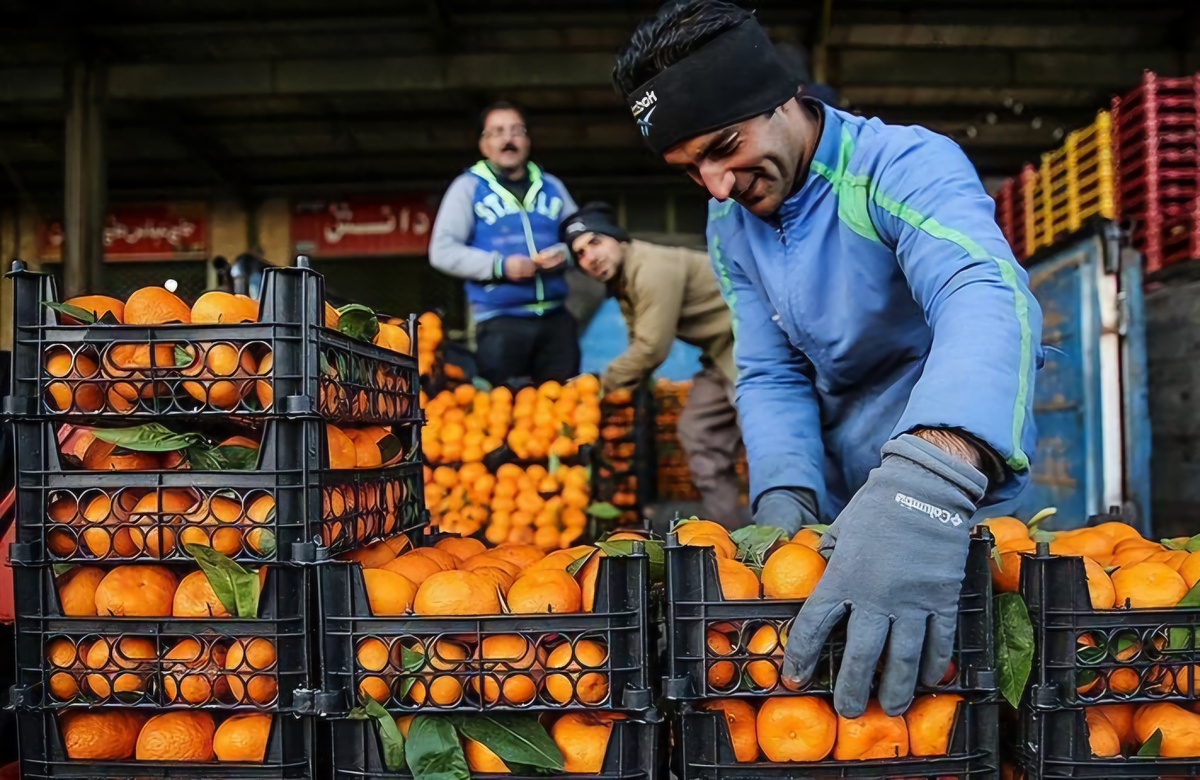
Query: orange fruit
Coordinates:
[74,396]
[561,559]
[373,556]
[583,740]
[136,591]
[570,685]
[482,760]
[546,591]
[390,594]
[242,738]
[499,577]
[195,598]
[872,735]
[461,548]
[98,305]
[373,656]
[930,720]
[765,642]
[796,728]
[1006,530]
[1086,542]
[221,308]
[155,306]
[77,590]
[1130,551]
[62,653]
[507,662]
[342,452]
[444,560]
[253,666]
[743,731]
[1100,585]
[456,593]
[415,568]
[101,735]
[155,514]
[435,683]
[1180,729]
[1120,717]
[1148,586]
[106,539]
[1102,737]
[122,665]
[721,673]
[190,672]
[177,736]
[1006,576]
[737,581]
[1190,569]
[792,572]
[219,360]
[520,555]
[722,546]
[807,537]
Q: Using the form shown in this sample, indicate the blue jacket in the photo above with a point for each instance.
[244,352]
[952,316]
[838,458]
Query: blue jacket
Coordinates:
[881,298]
[479,223]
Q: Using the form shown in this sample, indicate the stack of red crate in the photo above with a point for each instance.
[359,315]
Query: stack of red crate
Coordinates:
[1156,134]
[1011,211]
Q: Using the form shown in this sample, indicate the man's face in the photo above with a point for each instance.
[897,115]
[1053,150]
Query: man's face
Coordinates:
[754,162]
[505,139]
[600,256]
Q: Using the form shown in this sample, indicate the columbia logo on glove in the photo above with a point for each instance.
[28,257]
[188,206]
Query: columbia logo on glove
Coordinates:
[941,515]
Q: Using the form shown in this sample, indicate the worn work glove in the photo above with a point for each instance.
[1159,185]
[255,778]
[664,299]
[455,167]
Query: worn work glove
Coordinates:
[786,508]
[896,568]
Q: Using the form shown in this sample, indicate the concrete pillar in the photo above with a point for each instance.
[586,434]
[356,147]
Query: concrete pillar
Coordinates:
[272,231]
[86,180]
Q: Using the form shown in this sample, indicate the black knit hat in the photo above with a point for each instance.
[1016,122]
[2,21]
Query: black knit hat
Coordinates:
[594,217]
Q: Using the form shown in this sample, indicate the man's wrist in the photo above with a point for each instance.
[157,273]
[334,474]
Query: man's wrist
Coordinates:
[965,448]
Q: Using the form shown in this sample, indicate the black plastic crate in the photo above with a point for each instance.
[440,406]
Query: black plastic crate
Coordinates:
[1055,744]
[289,755]
[136,372]
[703,750]
[290,508]
[1087,656]
[139,663]
[695,604]
[615,673]
[634,751]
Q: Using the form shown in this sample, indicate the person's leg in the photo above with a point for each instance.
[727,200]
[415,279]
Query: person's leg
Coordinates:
[556,356]
[503,346]
[709,433]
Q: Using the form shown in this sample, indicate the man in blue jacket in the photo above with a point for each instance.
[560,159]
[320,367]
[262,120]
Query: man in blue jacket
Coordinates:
[497,228]
[886,340]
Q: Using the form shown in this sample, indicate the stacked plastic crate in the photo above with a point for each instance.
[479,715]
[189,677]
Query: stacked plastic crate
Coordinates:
[175,487]
[1156,130]
[626,464]
[1114,691]
[736,718]
[1073,184]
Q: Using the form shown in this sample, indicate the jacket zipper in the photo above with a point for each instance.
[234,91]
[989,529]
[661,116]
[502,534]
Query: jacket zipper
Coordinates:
[537,276]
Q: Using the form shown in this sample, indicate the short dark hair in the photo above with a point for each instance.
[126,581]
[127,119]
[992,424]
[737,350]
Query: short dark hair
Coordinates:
[669,36]
[501,105]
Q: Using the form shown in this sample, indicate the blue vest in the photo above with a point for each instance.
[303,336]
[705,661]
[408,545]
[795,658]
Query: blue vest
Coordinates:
[508,226]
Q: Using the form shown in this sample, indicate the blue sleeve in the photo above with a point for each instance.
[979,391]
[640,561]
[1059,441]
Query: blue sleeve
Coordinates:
[777,405]
[928,205]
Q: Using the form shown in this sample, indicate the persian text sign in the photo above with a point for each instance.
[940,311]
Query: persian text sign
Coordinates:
[363,227]
[150,232]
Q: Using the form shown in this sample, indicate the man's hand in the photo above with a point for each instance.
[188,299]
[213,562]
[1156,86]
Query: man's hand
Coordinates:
[518,267]
[786,508]
[549,259]
[899,555]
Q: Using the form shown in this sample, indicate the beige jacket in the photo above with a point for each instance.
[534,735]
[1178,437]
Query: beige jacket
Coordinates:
[667,293]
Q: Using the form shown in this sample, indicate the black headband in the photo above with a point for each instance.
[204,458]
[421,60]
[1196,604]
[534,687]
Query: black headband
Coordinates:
[731,78]
[592,218]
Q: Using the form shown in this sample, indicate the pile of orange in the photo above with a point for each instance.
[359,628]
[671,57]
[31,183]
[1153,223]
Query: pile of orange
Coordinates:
[118,376]
[515,505]
[619,477]
[1122,729]
[806,729]
[465,424]
[460,576]
[184,735]
[791,570]
[1123,570]
[429,341]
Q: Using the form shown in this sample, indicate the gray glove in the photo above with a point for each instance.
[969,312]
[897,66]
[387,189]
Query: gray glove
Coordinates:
[786,508]
[897,569]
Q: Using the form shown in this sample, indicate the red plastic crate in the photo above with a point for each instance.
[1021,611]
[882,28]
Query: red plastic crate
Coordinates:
[1156,149]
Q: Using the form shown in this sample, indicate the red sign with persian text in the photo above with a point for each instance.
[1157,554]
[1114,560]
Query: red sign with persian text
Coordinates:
[372,226]
[149,232]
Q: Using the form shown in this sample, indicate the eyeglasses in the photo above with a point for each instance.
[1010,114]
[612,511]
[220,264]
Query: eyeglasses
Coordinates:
[516,131]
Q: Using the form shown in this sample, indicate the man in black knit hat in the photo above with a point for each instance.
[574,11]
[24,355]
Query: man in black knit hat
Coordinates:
[667,293]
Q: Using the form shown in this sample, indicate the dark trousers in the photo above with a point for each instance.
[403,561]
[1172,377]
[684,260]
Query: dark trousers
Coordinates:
[711,437]
[515,350]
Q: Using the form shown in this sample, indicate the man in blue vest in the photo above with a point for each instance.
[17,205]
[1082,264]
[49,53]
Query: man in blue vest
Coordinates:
[885,339]
[497,228]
